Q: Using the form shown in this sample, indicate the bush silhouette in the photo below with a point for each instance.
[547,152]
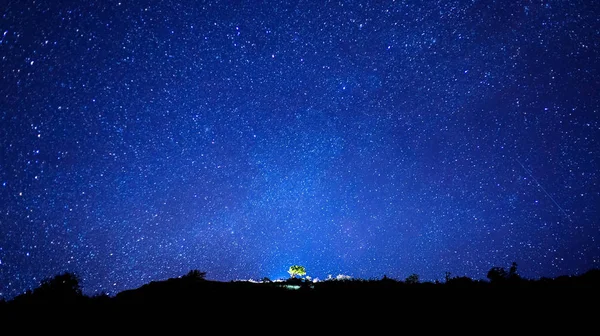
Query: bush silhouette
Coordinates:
[195,275]
[63,288]
[412,279]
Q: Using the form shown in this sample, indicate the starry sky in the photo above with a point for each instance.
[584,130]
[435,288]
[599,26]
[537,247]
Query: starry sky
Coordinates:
[142,139]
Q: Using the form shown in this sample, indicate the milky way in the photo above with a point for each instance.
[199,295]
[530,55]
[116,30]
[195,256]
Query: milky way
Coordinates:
[140,140]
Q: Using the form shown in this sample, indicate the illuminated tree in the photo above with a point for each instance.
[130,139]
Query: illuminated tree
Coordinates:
[297,270]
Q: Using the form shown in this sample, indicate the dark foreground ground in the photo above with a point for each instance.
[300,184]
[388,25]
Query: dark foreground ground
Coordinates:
[565,304]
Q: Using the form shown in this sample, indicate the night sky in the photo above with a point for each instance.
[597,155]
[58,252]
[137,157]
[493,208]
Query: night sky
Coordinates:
[142,139]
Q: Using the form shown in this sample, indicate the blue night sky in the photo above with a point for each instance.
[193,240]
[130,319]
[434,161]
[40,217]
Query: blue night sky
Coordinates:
[142,139]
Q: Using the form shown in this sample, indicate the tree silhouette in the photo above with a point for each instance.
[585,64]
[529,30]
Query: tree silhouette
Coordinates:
[447,276]
[62,288]
[512,272]
[65,283]
[496,274]
[412,279]
[297,270]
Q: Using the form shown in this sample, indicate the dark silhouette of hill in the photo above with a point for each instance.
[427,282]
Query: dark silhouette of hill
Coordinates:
[506,292]
[190,290]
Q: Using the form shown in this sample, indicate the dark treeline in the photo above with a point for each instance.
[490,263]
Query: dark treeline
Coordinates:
[502,287]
